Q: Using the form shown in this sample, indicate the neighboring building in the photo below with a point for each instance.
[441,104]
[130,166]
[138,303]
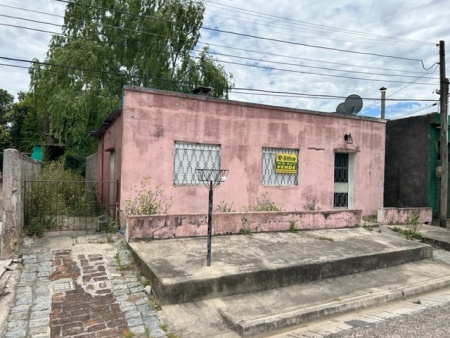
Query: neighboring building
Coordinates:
[337,160]
[412,161]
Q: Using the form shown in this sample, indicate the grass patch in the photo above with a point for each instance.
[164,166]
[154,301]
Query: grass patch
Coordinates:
[245,231]
[324,238]
[292,228]
[409,233]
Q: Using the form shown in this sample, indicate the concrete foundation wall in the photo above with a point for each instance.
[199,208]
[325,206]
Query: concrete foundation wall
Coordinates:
[17,169]
[404,215]
[192,225]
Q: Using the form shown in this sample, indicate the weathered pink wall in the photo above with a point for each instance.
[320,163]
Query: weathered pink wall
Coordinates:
[191,225]
[154,120]
[404,215]
[110,140]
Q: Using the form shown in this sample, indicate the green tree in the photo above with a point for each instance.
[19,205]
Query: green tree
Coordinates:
[24,125]
[6,101]
[111,43]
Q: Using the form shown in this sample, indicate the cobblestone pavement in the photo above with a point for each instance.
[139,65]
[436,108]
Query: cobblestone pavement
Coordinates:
[65,293]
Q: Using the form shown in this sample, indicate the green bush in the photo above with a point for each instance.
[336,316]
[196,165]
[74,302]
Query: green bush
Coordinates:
[148,201]
[57,192]
[264,204]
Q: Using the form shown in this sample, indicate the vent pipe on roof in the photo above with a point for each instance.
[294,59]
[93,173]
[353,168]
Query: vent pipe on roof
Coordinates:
[383,101]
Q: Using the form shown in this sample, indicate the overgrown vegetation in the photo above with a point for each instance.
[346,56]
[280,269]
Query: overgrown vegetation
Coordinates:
[412,228]
[264,204]
[408,232]
[148,201]
[56,194]
[225,207]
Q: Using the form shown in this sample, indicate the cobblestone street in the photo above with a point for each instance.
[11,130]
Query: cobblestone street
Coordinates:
[71,293]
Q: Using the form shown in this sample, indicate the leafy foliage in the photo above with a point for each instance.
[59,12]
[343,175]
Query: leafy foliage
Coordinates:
[112,43]
[224,207]
[148,201]
[57,193]
[264,204]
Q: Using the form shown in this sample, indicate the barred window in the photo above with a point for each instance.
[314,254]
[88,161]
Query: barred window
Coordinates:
[270,176]
[191,156]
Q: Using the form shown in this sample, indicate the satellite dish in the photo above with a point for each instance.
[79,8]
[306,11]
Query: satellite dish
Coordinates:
[340,109]
[353,104]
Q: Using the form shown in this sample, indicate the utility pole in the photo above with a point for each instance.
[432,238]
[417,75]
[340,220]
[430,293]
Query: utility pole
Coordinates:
[444,136]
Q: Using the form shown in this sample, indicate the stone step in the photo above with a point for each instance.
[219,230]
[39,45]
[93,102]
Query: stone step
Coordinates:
[265,261]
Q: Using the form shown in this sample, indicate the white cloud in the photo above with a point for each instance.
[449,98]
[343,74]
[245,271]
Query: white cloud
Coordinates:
[357,25]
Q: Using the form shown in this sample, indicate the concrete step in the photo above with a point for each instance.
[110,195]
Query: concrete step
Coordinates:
[265,261]
[269,312]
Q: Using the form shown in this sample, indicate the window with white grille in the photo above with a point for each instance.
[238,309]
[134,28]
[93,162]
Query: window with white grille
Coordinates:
[269,175]
[191,156]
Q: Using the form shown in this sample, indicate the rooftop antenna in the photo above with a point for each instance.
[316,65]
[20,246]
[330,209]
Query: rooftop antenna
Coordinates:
[351,106]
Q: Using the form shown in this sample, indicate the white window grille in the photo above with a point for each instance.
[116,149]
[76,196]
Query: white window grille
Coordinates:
[269,176]
[191,156]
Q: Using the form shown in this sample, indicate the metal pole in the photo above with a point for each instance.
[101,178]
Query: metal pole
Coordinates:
[210,206]
[444,138]
[383,101]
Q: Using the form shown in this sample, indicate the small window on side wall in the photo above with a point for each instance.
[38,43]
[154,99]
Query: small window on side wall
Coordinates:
[191,156]
[279,166]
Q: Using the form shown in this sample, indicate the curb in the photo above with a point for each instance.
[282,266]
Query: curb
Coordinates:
[252,327]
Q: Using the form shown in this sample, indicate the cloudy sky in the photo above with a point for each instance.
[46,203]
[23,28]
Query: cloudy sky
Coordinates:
[309,54]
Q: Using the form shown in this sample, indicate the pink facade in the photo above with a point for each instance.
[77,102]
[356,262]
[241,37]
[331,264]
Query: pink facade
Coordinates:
[139,141]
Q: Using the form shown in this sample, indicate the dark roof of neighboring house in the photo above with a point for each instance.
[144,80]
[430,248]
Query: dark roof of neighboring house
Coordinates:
[112,116]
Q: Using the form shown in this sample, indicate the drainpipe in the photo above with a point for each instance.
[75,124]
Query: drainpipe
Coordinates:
[383,101]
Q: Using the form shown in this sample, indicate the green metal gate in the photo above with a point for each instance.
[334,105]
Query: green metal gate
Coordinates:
[68,205]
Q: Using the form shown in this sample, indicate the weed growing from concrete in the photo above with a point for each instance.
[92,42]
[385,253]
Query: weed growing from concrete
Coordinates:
[154,305]
[245,231]
[324,238]
[123,267]
[409,233]
[129,334]
[264,204]
[224,207]
[292,228]
[418,302]
[368,227]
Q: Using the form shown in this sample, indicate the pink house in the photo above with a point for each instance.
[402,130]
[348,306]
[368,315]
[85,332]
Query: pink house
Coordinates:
[331,161]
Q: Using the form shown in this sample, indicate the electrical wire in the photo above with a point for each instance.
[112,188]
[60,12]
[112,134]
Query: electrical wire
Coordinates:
[154,34]
[264,38]
[239,90]
[321,74]
[414,112]
[322,27]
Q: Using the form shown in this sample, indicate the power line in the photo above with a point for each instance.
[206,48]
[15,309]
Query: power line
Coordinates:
[266,39]
[318,95]
[321,68]
[321,74]
[322,27]
[414,112]
[154,34]
[247,65]
[240,90]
